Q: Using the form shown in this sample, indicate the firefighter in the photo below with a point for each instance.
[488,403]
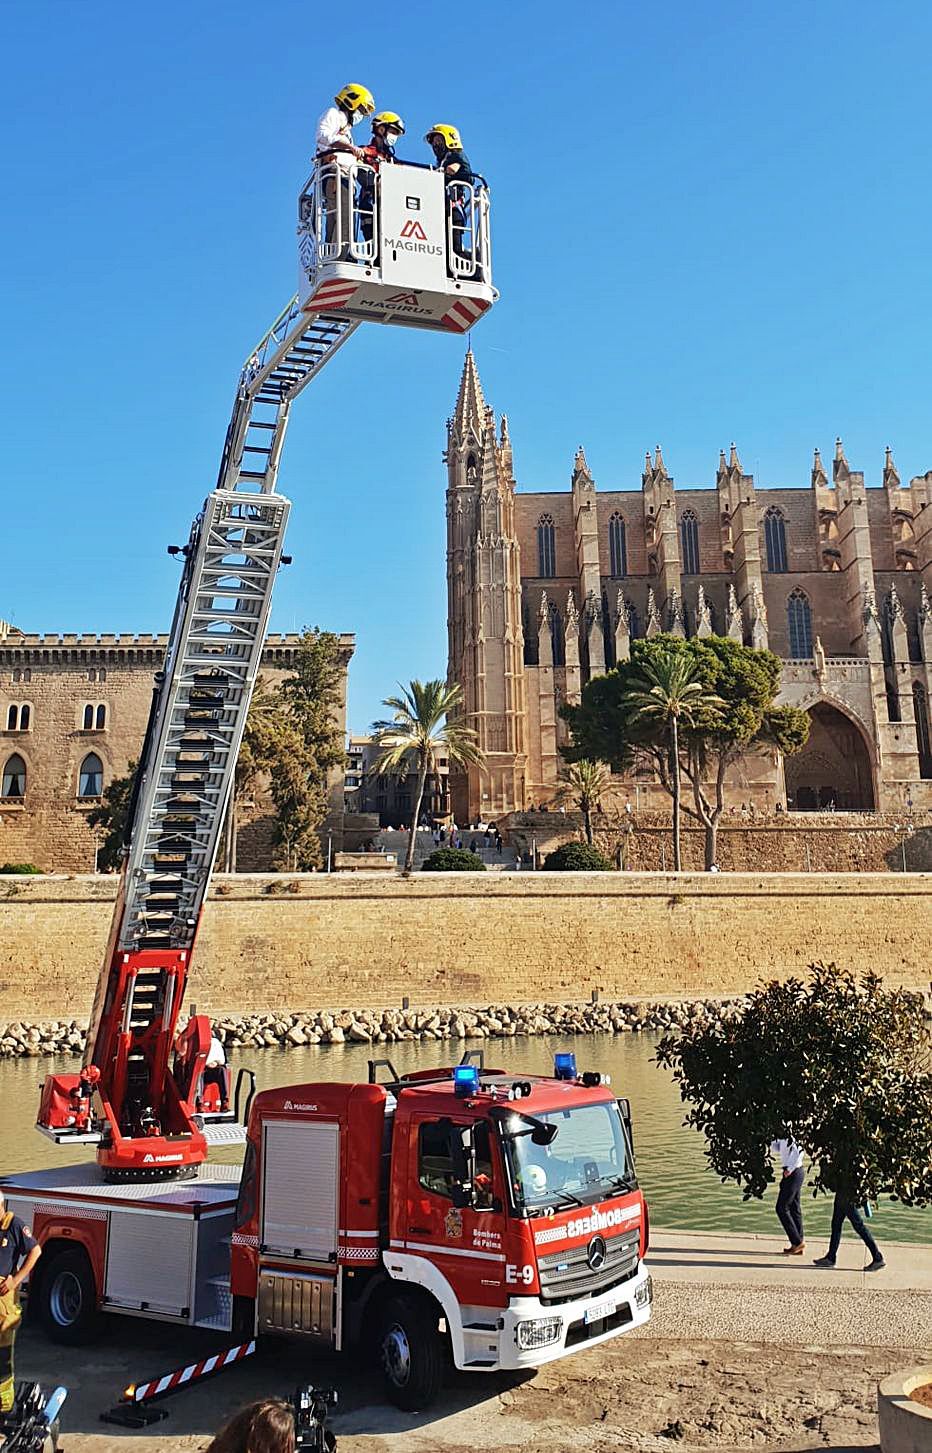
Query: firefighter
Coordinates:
[19,1252]
[387,129]
[447,146]
[336,151]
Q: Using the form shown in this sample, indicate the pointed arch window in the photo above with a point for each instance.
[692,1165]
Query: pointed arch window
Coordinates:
[799,625]
[557,643]
[689,543]
[617,546]
[546,548]
[18,717]
[91,776]
[634,621]
[775,540]
[13,781]
[923,741]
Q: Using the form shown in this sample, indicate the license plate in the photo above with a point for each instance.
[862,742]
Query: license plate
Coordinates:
[600,1310]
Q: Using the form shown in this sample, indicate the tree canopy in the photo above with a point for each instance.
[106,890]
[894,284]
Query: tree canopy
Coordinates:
[292,742]
[110,816]
[734,714]
[841,1065]
[424,722]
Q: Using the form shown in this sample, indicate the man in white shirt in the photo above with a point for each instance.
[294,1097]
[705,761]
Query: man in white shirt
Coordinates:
[215,1069]
[789,1202]
[335,147]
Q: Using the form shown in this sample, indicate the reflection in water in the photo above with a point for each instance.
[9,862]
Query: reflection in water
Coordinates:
[672,1168]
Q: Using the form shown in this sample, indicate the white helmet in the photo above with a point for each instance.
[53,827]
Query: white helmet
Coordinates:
[534,1180]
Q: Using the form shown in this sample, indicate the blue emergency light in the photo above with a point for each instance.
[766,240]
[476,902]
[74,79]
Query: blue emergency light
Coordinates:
[564,1066]
[466,1080]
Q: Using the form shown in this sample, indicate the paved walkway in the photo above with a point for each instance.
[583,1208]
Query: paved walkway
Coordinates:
[740,1288]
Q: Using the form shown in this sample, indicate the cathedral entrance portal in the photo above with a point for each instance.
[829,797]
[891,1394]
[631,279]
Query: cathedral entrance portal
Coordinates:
[834,767]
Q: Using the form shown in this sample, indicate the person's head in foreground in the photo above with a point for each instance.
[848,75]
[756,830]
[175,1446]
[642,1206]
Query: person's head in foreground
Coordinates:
[263,1427]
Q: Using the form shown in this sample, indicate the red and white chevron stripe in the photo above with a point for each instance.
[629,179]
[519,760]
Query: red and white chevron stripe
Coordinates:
[464,313]
[333,294]
[142,1392]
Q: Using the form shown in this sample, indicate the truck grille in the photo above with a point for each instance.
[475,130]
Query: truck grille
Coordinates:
[567,1274]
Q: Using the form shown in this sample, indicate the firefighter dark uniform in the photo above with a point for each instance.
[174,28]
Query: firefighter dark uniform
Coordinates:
[452,160]
[16,1242]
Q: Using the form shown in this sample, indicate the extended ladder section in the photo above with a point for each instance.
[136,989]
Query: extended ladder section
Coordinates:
[185,778]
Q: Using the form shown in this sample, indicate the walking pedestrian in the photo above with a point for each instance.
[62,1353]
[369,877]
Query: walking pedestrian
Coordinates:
[846,1209]
[789,1202]
[498,843]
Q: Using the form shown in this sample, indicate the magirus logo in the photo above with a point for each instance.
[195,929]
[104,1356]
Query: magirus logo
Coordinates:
[415,230]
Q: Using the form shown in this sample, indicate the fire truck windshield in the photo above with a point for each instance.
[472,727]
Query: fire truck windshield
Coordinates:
[587,1159]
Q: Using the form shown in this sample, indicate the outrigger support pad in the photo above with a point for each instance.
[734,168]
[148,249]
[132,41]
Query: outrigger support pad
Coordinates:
[135,1408]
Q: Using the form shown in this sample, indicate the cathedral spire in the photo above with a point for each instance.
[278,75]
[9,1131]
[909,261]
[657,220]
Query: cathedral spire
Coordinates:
[470,403]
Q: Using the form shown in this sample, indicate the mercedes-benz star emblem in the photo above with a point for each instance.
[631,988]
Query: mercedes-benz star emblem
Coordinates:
[596,1252]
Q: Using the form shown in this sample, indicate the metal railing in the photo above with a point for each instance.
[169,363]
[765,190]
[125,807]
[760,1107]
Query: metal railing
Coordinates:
[338,216]
[468,238]
[338,219]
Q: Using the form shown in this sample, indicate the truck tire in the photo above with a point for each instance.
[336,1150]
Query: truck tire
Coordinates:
[67,1298]
[410,1352]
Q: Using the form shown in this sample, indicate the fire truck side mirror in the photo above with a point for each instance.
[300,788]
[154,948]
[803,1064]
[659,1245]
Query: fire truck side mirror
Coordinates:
[624,1106]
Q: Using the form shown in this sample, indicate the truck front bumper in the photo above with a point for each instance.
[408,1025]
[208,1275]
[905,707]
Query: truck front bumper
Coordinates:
[533,1333]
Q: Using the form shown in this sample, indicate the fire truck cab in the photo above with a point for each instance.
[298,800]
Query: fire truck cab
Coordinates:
[455,1209]
[394,244]
[457,1213]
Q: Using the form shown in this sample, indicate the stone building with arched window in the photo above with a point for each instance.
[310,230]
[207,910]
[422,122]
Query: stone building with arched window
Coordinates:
[547,588]
[73,714]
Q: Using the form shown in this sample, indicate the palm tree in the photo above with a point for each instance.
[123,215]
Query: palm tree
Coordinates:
[583,783]
[422,726]
[671,695]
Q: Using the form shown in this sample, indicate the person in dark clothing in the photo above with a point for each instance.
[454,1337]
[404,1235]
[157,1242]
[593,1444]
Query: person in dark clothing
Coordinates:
[845,1209]
[447,146]
[19,1252]
[789,1203]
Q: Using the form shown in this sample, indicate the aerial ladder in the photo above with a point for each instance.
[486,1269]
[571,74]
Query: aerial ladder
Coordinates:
[418,256]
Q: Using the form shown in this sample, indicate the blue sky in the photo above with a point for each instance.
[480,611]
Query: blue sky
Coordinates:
[711,222]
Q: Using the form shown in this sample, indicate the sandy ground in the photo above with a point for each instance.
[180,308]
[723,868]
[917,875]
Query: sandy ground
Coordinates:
[745,1350]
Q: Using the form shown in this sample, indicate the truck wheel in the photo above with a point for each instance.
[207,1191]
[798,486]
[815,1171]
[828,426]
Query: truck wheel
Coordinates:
[67,1298]
[411,1353]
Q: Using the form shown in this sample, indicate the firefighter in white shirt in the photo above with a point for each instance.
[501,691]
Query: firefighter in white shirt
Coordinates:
[336,151]
[215,1071]
[789,1202]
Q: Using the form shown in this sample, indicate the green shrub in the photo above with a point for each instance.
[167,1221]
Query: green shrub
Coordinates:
[453,860]
[577,858]
[19,868]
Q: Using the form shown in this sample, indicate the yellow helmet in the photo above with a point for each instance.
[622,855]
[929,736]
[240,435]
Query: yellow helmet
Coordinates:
[448,135]
[355,98]
[389,118]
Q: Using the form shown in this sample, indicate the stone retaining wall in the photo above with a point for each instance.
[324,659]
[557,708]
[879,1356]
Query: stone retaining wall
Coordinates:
[295,942]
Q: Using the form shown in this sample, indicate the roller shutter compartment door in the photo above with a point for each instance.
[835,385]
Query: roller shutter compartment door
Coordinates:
[299,1200]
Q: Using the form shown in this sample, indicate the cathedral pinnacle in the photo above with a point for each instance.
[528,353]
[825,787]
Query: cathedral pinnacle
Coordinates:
[819,476]
[734,462]
[580,465]
[470,402]
[891,477]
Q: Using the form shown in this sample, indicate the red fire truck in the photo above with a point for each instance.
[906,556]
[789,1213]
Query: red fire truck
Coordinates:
[461,1208]
[454,1213]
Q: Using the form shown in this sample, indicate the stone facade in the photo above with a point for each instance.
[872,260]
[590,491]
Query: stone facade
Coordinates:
[547,589]
[332,941]
[390,795]
[73,710]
